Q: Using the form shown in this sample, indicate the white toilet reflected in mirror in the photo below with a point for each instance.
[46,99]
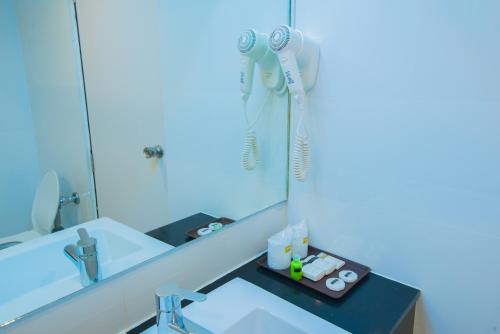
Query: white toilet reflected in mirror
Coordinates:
[44,209]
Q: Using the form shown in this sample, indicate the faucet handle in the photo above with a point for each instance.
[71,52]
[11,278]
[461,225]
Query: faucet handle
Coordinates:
[84,236]
[172,289]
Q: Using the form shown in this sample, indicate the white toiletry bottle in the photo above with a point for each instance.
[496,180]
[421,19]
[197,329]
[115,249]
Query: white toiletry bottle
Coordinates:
[279,249]
[300,239]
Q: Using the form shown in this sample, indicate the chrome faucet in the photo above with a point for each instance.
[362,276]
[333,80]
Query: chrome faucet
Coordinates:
[169,318]
[85,257]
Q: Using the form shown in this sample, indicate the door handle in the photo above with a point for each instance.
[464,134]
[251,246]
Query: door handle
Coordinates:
[153,152]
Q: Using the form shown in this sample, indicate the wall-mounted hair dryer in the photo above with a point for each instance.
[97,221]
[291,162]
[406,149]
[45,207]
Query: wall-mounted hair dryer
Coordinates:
[254,49]
[299,58]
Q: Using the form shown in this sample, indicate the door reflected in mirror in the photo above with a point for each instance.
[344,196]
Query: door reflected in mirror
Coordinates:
[146,123]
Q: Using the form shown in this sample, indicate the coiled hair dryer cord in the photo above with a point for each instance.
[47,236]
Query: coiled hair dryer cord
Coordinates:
[250,155]
[300,158]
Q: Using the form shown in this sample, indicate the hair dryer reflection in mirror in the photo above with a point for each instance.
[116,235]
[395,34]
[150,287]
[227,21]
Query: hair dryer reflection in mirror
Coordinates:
[254,49]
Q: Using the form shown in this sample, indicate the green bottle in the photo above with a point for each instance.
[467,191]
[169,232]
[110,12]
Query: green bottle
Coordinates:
[296,268]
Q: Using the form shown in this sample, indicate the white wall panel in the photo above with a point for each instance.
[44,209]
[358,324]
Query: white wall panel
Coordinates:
[405,140]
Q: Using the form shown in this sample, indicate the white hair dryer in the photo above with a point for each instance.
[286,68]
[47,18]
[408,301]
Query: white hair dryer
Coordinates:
[299,59]
[254,49]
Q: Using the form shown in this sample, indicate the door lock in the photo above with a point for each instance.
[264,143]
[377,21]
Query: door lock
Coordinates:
[153,152]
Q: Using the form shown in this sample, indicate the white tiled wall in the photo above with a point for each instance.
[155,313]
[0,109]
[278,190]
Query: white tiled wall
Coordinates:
[406,149]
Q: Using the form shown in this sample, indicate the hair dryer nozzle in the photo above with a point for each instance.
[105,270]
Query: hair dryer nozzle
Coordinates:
[252,44]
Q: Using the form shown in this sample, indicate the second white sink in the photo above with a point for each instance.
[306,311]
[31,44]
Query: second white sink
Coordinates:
[261,321]
[240,307]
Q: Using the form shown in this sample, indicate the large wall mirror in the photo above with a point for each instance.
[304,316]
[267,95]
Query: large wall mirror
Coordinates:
[128,128]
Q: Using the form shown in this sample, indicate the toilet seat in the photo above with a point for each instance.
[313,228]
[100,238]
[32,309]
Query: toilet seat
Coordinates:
[43,211]
[46,203]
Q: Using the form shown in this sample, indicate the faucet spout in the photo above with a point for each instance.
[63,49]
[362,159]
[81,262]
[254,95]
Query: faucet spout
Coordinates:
[85,256]
[169,317]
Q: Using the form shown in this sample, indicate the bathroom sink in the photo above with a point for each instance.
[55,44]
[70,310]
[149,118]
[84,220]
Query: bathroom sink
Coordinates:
[261,321]
[240,307]
[36,273]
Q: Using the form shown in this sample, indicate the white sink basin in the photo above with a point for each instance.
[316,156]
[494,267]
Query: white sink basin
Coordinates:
[36,273]
[240,307]
[261,321]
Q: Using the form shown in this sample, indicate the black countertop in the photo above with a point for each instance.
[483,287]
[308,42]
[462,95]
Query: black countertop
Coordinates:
[376,305]
[175,233]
